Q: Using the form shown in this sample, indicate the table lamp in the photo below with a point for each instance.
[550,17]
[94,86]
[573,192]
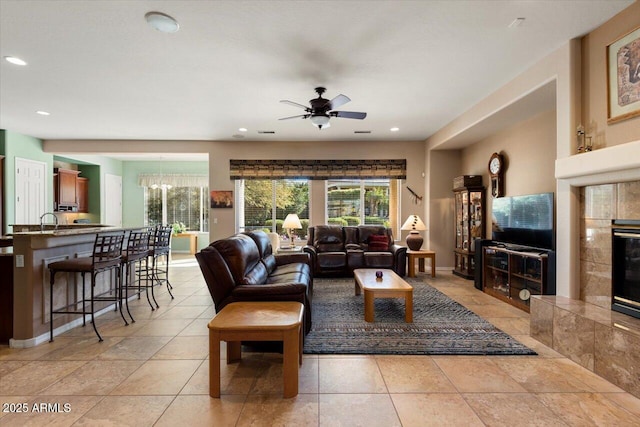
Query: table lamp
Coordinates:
[415,225]
[290,223]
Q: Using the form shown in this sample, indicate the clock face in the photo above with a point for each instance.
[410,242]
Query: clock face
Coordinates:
[525,294]
[494,165]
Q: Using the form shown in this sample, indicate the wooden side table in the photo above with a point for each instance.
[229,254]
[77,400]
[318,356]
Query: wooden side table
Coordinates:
[420,256]
[257,321]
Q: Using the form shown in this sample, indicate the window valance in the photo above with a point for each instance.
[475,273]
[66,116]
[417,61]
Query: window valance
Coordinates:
[174,180]
[318,169]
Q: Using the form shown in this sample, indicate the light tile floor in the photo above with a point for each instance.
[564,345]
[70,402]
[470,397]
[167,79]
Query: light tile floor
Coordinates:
[155,372]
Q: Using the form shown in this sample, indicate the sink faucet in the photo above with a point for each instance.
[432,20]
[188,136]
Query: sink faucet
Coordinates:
[42,220]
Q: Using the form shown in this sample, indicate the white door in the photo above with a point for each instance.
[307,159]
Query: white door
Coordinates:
[113,200]
[31,191]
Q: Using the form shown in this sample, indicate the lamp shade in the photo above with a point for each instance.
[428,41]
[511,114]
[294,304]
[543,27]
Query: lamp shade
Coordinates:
[291,222]
[414,223]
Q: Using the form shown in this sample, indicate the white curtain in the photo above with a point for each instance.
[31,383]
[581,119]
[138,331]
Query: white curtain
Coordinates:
[174,180]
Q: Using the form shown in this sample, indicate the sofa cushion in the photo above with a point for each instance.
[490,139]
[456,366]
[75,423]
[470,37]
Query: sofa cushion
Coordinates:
[291,277]
[240,253]
[378,242]
[257,276]
[332,260]
[328,238]
[292,268]
[378,259]
[269,263]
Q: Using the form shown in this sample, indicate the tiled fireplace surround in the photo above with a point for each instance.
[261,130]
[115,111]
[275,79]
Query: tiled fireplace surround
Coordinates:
[586,330]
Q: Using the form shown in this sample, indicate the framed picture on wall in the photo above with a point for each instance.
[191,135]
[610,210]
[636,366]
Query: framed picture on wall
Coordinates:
[623,77]
[221,199]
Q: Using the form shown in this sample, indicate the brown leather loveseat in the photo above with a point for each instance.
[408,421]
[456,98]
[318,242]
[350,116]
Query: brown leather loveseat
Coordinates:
[243,268]
[337,250]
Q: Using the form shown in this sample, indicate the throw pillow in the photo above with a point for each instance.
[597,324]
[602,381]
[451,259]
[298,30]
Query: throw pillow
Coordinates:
[378,243]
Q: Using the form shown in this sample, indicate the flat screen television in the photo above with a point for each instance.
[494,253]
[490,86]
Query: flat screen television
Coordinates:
[524,220]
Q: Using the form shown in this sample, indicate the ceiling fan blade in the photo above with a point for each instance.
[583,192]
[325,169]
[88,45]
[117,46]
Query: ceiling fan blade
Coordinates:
[295,104]
[301,116]
[349,114]
[339,101]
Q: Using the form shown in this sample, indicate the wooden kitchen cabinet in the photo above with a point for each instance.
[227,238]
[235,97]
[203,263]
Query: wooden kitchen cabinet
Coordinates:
[82,192]
[66,190]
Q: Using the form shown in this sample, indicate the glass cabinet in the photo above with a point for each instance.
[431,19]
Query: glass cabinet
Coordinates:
[469,217]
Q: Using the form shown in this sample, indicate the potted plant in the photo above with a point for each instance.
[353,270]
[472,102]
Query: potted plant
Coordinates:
[178,227]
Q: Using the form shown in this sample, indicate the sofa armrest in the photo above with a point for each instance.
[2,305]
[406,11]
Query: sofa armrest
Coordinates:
[313,254]
[397,249]
[400,259]
[300,257]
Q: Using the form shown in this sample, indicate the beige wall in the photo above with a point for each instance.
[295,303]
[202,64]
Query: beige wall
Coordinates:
[444,165]
[526,148]
[594,81]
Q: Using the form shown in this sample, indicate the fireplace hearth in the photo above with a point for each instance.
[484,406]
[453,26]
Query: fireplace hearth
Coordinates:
[626,267]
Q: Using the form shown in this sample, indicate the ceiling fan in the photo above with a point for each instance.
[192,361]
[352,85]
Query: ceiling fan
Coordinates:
[322,109]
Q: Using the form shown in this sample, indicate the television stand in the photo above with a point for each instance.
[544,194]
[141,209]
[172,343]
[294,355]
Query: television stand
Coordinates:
[513,273]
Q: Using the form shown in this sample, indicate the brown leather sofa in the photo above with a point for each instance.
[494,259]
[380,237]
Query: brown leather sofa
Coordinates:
[337,250]
[243,268]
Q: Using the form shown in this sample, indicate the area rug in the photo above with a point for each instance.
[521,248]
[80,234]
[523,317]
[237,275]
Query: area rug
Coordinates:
[440,325]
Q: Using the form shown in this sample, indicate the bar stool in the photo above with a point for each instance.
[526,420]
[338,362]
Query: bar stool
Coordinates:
[160,247]
[106,256]
[133,257]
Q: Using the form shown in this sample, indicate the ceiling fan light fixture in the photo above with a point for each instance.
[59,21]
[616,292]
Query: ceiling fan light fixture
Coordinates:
[162,22]
[320,120]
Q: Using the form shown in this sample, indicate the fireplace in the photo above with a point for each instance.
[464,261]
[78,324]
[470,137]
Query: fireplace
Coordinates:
[626,267]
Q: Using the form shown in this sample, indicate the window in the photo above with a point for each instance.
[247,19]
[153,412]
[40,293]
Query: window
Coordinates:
[168,205]
[264,204]
[368,202]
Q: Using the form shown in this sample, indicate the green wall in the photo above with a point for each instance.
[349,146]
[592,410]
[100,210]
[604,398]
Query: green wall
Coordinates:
[133,194]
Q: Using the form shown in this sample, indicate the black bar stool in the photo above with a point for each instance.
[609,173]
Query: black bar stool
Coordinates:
[107,254]
[134,256]
[160,247]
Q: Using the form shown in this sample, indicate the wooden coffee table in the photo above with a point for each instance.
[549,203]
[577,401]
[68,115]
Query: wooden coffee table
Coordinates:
[257,321]
[390,286]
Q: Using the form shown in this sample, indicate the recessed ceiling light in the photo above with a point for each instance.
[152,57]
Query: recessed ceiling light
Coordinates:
[394,129]
[242,129]
[15,61]
[162,22]
[43,113]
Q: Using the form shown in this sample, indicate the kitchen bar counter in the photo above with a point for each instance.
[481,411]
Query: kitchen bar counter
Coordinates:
[23,228]
[33,252]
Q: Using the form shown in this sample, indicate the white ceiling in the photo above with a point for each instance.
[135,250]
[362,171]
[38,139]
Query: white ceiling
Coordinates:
[103,73]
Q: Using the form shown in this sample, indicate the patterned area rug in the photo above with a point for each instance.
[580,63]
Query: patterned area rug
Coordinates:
[440,325]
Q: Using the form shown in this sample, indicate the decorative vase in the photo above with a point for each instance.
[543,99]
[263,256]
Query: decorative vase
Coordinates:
[414,241]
